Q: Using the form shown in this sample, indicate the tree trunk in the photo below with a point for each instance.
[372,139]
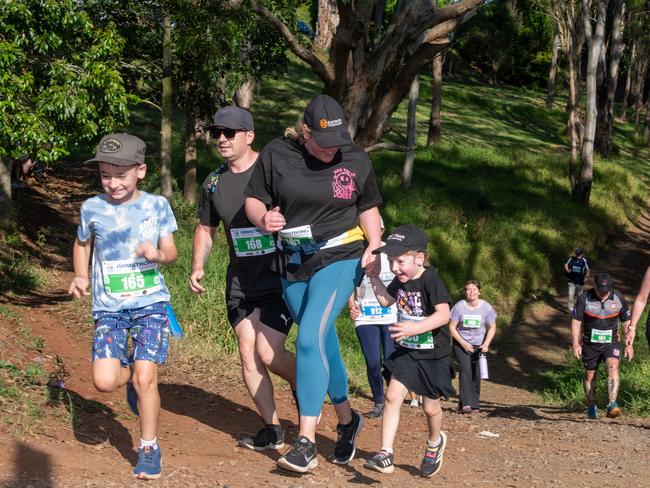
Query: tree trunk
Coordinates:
[411,122]
[6,165]
[166,123]
[628,80]
[646,132]
[572,123]
[605,123]
[328,20]
[595,41]
[245,93]
[552,72]
[189,180]
[641,71]
[436,100]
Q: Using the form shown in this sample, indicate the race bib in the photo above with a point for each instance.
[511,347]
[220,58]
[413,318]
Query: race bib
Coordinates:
[576,269]
[375,311]
[601,336]
[419,341]
[296,236]
[472,321]
[128,278]
[249,241]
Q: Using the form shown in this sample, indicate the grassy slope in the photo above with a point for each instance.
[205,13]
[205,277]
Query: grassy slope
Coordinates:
[493,195]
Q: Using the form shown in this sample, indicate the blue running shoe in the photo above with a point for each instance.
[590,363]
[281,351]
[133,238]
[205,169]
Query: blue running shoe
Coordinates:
[613,410]
[132,398]
[149,463]
[592,413]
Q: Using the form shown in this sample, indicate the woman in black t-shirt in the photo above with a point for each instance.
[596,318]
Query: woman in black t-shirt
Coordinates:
[320,194]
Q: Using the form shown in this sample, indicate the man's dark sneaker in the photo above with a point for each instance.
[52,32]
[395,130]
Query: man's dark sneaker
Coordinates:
[132,398]
[433,456]
[345,443]
[301,456]
[149,463]
[613,410]
[269,437]
[592,412]
[376,413]
[382,462]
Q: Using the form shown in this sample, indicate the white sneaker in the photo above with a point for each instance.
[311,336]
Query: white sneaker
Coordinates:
[414,403]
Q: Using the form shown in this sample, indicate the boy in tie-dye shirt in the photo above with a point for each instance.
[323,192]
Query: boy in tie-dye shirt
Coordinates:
[129,234]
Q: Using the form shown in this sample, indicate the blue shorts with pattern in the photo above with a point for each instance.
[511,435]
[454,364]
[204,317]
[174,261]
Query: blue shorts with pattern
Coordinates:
[147,326]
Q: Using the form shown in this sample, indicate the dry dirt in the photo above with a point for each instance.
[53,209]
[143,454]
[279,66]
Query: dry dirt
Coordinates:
[205,407]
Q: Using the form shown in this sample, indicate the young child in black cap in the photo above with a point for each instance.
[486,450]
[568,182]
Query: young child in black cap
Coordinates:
[421,362]
[129,234]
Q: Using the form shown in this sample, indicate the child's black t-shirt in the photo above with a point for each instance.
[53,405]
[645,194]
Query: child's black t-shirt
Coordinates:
[418,298]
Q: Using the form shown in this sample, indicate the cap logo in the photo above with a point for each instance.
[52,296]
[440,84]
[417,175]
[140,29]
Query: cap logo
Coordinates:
[111,145]
[324,124]
[396,237]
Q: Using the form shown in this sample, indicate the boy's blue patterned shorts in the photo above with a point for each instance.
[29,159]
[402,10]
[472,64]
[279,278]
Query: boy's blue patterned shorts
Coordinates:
[148,328]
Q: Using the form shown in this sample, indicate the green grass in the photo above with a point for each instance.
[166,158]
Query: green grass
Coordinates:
[16,272]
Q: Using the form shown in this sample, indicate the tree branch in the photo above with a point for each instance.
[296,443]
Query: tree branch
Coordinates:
[322,70]
[149,102]
[388,146]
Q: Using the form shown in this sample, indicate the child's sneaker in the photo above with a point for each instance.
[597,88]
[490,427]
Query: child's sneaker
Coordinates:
[301,456]
[432,461]
[414,403]
[269,437]
[613,410]
[345,444]
[149,463]
[132,398]
[382,462]
[592,412]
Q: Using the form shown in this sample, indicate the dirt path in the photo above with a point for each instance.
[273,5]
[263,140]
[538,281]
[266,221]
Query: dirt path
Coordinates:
[205,407]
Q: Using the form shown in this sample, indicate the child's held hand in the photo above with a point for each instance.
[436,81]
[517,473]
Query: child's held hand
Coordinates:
[78,286]
[149,251]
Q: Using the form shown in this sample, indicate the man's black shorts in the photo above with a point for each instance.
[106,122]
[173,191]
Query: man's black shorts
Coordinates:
[273,312]
[593,354]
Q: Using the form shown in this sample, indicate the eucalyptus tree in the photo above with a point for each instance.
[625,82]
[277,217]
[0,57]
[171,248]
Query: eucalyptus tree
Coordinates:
[377,51]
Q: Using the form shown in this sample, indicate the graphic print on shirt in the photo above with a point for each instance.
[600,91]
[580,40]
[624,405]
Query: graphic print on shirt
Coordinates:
[343,183]
[409,302]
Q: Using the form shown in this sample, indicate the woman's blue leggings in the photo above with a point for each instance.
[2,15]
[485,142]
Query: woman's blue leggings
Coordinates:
[315,304]
[373,338]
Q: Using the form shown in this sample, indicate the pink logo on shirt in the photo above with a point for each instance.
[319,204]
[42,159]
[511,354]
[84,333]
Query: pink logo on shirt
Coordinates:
[343,183]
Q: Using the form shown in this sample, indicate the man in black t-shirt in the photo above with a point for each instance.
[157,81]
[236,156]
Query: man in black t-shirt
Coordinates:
[596,338]
[576,270]
[256,310]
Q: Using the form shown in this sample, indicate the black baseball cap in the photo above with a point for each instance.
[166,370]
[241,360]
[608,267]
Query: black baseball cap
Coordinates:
[579,251]
[232,117]
[120,150]
[325,117]
[403,239]
[604,282]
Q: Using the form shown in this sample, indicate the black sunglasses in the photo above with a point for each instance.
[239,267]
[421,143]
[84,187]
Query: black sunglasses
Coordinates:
[215,132]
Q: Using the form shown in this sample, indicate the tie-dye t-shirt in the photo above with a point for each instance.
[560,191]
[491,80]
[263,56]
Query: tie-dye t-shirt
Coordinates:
[120,279]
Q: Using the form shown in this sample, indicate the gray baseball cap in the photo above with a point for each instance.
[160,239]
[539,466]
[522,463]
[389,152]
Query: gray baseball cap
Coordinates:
[232,117]
[325,117]
[120,149]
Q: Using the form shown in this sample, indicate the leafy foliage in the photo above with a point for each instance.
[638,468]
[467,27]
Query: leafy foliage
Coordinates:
[509,42]
[59,85]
